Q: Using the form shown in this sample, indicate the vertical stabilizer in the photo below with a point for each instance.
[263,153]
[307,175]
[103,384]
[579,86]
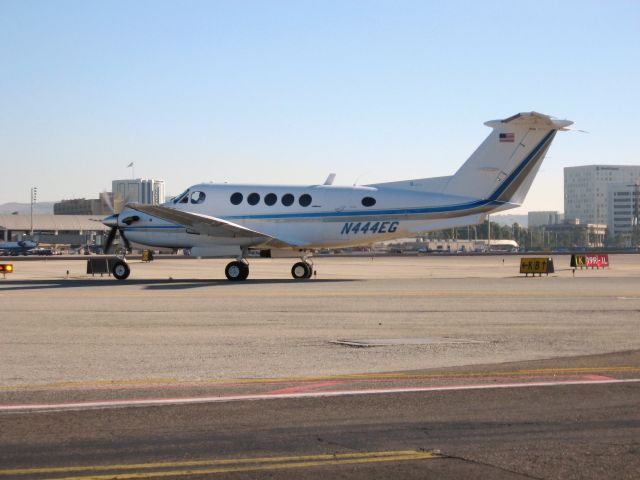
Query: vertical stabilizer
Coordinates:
[503,167]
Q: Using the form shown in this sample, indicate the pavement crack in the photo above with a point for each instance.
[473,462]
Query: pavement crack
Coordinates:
[486,464]
[336,444]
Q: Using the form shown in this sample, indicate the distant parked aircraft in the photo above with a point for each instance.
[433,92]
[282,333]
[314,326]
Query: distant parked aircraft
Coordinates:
[17,248]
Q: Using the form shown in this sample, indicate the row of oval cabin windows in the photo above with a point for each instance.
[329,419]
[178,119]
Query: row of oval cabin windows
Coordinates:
[287,199]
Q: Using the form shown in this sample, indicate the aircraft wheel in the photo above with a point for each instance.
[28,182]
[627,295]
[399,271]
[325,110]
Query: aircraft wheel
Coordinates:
[236,271]
[301,270]
[121,270]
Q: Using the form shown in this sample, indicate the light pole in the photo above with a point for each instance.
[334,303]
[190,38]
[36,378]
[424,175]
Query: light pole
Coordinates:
[34,198]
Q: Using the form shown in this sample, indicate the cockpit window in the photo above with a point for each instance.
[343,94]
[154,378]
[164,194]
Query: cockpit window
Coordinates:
[198,197]
[180,197]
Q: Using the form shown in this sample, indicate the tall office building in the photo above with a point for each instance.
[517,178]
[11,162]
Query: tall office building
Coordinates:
[624,210]
[586,190]
[140,190]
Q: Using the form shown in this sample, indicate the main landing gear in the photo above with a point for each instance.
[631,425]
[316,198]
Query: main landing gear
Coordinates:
[238,270]
[302,270]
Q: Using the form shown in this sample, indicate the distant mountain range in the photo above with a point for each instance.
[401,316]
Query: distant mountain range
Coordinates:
[39,208]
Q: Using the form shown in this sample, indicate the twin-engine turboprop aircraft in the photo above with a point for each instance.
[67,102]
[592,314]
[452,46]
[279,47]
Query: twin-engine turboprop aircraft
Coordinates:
[228,219]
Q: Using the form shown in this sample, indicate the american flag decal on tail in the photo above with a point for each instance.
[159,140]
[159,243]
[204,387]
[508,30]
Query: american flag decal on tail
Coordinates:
[507,137]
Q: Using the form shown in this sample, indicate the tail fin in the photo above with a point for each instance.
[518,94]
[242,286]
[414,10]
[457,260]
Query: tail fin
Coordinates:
[505,164]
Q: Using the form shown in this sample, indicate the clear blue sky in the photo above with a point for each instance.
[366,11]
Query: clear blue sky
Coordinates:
[287,92]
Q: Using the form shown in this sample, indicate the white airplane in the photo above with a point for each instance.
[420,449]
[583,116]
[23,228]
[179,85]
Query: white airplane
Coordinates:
[229,219]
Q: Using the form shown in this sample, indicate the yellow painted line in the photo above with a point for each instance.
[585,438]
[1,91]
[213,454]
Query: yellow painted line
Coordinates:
[158,382]
[226,465]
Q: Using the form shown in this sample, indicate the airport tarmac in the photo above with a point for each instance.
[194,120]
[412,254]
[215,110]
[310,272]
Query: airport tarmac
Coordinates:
[412,366]
[427,311]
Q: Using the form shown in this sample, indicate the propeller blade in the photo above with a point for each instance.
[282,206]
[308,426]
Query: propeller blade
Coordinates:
[127,245]
[110,237]
[106,198]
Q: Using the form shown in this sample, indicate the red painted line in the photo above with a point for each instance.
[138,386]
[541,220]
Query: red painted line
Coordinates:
[597,377]
[305,388]
[101,404]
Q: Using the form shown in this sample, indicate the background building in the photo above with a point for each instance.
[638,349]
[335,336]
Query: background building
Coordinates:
[140,190]
[586,190]
[624,210]
[551,217]
[573,234]
[68,230]
[82,206]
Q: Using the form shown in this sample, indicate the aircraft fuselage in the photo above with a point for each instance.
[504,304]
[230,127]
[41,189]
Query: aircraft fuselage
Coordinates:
[311,217]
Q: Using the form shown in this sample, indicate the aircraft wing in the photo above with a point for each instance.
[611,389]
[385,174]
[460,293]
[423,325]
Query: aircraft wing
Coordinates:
[206,225]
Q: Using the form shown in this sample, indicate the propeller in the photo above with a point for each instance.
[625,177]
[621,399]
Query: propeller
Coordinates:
[114,222]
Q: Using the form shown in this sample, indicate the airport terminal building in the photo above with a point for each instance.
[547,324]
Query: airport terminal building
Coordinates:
[55,230]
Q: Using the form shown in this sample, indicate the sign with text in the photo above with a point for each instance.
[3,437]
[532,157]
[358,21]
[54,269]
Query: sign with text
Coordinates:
[590,260]
[535,265]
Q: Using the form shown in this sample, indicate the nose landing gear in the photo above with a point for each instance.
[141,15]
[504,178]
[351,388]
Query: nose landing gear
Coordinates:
[120,269]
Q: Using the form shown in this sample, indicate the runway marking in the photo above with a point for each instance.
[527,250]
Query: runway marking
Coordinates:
[158,383]
[147,402]
[305,387]
[224,465]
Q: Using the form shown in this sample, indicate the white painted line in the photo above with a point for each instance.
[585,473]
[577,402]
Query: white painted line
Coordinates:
[146,402]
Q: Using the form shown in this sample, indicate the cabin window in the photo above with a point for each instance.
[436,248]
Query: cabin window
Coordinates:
[198,197]
[287,199]
[368,201]
[304,200]
[253,198]
[184,199]
[270,199]
[236,198]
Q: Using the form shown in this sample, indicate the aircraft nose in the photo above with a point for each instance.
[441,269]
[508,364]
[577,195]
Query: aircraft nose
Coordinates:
[111,220]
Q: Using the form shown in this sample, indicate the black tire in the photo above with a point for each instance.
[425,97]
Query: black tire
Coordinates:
[236,271]
[310,274]
[301,270]
[120,270]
